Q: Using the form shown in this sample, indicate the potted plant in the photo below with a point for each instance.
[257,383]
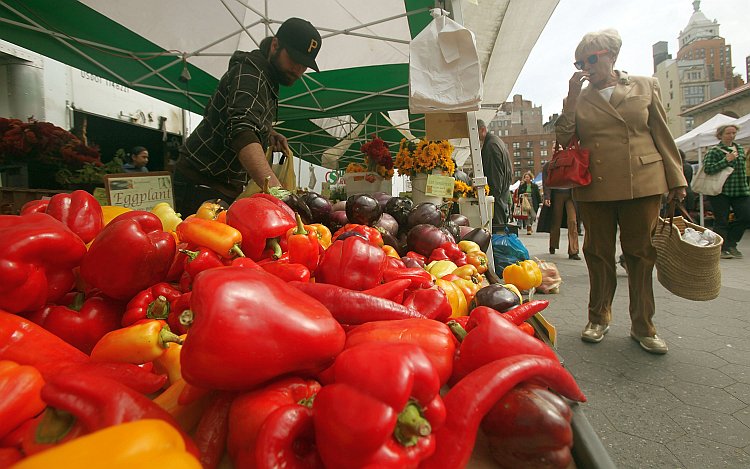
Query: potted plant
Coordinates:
[374,173]
[420,159]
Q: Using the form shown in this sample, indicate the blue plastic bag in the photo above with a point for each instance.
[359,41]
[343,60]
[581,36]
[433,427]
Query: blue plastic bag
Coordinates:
[507,249]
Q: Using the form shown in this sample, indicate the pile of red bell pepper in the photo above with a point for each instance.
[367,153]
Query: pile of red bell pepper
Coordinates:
[250,333]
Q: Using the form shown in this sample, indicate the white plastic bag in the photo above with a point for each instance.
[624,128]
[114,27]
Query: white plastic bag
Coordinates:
[551,279]
[444,70]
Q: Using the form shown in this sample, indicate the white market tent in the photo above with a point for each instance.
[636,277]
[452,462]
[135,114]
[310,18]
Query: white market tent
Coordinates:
[362,88]
[704,135]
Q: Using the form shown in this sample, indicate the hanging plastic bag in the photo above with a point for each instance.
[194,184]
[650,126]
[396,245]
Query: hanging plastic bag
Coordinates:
[507,249]
[551,279]
[284,171]
[444,70]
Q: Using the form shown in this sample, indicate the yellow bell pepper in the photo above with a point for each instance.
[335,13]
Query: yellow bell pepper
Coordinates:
[109,212]
[144,444]
[209,210]
[514,289]
[467,287]
[441,268]
[391,251]
[456,297]
[169,218]
[525,275]
[168,363]
[468,246]
[469,272]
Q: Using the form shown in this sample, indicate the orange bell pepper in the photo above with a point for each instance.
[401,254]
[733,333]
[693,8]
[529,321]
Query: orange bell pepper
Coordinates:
[168,363]
[187,415]
[324,234]
[219,237]
[209,210]
[456,297]
[391,251]
[140,343]
[467,287]
[20,386]
[145,444]
[479,260]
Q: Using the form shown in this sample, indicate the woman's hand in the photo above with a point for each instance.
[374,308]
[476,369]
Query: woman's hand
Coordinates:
[678,193]
[731,156]
[574,89]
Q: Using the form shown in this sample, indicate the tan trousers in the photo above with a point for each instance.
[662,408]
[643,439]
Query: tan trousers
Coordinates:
[637,221]
[560,201]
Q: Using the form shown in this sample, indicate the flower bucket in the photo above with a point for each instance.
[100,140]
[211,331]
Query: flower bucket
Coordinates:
[418,189]
[366,183]
[469,207]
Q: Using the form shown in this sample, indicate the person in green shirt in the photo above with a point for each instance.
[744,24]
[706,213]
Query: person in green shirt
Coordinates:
[735,194]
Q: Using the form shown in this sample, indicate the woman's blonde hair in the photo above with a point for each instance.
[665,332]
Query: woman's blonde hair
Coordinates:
[608,39]
[722,128]
[529,174]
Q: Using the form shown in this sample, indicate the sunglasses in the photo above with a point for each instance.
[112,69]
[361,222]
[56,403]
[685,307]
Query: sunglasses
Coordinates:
[591,59]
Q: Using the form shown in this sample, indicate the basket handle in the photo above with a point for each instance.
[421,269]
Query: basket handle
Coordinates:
[673,205]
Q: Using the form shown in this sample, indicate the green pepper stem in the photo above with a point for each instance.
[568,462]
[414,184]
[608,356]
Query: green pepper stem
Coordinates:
[54,426]
[273,244]
[166,336]
[78,301]
[411,425]
[158,309]
[266,183]
[191,254]
[300,226]
[458,330]
[237,250]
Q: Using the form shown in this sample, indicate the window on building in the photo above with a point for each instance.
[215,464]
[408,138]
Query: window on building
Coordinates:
[529,144]
[517,174]
[517,154]
[530,153]
[516,145]
[543,143]
[543,153]
[530,163]
[543,162]
[516,163]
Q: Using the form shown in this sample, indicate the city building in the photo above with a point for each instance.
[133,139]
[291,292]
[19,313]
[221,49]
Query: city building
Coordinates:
[733,103]
[701,71]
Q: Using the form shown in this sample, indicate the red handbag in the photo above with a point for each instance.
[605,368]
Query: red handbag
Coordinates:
[569,167]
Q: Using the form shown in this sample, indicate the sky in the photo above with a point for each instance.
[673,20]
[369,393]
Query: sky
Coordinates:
[641,23]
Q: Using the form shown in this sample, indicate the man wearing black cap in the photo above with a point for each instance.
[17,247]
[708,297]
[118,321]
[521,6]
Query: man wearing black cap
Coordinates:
[229,144]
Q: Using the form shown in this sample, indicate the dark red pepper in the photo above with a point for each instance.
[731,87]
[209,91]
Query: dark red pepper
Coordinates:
[178,322]
[438,254]
[394,263]
[372,235]
[178,264]
[419,278]
[129,255]
[471,398]
[287,439]
[200,260]
[352,263]
[355,307]
[35,206]
[79,211]
[393,290]
[82,321]
[213,428]
[432,302]
[37,257]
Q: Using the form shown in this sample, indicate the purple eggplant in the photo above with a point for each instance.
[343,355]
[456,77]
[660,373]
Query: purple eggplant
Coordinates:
[362,209]
[424,238]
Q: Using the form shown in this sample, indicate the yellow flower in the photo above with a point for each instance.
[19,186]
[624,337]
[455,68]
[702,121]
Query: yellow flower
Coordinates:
[424,157]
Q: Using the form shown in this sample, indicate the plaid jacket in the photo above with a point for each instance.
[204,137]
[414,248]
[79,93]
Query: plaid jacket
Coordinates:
[716,159]
[245,100]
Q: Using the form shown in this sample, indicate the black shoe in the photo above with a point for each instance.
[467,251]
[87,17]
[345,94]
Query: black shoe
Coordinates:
[575,257]
[551,250]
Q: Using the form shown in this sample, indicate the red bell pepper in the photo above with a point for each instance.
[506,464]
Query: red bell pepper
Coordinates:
[37,258]
[287,271]
[438,254]
[287,439]
[354,307]
[303,245]
[20,386]
[490,338]
[371,234]
[211,434]
[35,206]
[352,263]
[250,410]
[247,329]
[261,223]
[394,263]
[470,400]
[200,260]
[393,290]
[97,402]
[79,211]
[151,303]
[434,337]
[216,236]
[432,302]
[530,427]
[272,195]
[420,278]
[9,456]
[83,321]
[27,343]
[129,255]
[139,343]
[178,264]
[179,322]
[451,249]
[382,414]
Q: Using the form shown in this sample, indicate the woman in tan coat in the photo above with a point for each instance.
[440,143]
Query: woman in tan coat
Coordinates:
[633,162]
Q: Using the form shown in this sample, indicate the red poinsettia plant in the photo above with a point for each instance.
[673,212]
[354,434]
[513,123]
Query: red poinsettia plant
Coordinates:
[44,142]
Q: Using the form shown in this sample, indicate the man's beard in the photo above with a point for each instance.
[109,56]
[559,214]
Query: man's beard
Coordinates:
[284,78]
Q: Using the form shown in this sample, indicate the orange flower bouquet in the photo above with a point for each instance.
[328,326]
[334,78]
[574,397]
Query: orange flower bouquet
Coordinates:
[425,157]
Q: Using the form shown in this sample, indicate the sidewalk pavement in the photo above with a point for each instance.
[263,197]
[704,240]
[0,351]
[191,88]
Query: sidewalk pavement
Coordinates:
[689,408]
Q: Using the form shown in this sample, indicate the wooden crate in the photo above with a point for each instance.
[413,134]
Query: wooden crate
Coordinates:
[13,198]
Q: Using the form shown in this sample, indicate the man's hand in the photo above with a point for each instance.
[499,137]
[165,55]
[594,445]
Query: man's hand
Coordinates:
[278,142]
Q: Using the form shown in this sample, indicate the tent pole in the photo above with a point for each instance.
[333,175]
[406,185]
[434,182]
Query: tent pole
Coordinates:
[700,201]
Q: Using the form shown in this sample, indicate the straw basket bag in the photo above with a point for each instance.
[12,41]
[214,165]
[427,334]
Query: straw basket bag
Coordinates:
[689,271]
